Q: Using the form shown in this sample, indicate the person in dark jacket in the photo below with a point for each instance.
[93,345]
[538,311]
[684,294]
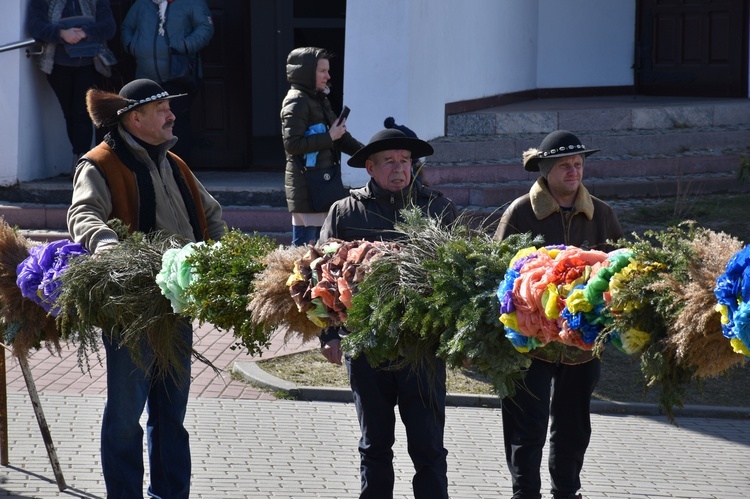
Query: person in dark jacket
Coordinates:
[313,138]
[370,213]
[132,176]
[561,379]
[155,29]
[70,76]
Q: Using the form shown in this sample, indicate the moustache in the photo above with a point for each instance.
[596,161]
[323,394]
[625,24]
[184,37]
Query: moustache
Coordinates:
[168,124]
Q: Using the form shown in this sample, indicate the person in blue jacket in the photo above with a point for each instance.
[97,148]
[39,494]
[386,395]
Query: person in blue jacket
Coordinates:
[155,29]
[70,76]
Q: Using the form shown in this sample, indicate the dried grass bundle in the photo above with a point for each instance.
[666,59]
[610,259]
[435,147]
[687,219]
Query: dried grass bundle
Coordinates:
[23,321]
[696,334]
[271,302]
[115,291]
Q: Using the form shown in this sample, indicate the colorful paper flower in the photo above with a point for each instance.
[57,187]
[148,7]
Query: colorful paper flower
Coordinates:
[732,292]
[37,275]
[176,274]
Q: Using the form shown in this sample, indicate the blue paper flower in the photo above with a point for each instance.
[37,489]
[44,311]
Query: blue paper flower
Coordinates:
[37,276]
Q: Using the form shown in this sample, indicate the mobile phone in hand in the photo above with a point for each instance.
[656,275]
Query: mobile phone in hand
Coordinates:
[344,114]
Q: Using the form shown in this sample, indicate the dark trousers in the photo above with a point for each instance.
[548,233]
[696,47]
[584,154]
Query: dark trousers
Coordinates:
[129,389]
[560,395]
[70,85]
[421,404]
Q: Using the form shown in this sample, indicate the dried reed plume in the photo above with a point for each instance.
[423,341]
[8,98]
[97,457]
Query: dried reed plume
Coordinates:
[271,303]
[696,337]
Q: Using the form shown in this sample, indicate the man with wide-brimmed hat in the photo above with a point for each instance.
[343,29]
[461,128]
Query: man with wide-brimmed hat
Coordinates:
[370,213]
[132,176]
[561,379]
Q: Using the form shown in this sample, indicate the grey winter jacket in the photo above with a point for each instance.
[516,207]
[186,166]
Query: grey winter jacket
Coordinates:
[188,29]
[303,107]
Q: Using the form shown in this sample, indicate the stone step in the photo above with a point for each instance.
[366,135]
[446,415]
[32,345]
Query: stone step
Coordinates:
[490,196]
[596,167]
[49,221]
[600,113]
[622,143]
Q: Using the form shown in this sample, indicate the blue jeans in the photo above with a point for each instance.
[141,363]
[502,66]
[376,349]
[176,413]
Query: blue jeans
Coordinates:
[302,235]
[129,389]
[421,404]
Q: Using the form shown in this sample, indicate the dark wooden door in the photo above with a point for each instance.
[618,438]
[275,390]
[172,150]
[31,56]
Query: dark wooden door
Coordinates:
[235,116]
[692,47]
[219,117]
[221,128]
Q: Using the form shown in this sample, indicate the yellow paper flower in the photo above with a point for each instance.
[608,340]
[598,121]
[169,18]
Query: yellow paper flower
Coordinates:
[318,314]
[510,320]
[633,340]
[577,302]
[552,252]
[724,311]
[522,253]
[739,347]
[295,276]
[549,302]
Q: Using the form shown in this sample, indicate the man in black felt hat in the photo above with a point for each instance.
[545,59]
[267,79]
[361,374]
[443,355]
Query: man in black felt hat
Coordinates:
[133,177]
[561,379]
[370,213]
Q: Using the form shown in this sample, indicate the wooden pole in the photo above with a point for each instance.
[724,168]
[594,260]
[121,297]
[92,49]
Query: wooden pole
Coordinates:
[4,460]
[35,402]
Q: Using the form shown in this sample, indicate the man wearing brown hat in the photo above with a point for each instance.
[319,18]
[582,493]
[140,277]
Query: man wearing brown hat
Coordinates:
[370,213]
[561,379]
[133,177]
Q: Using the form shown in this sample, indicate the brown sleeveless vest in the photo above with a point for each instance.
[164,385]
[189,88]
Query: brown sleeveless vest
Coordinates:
[126,199]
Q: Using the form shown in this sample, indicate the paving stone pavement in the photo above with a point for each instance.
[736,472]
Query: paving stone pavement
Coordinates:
[293,449]
[247,444]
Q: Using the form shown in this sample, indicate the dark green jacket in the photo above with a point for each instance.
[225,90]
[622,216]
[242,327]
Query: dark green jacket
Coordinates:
[303,107]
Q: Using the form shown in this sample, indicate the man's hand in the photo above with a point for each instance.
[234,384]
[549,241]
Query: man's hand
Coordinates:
[332,351]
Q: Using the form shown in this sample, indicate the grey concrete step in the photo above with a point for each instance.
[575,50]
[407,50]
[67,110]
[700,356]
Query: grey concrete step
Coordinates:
[596,167]
[489,196]
[601,113]
[651,147]
[44,222]
[508,148]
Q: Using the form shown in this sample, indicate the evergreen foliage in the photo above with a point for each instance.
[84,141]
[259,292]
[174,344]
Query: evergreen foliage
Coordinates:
[437,296]
[222,284]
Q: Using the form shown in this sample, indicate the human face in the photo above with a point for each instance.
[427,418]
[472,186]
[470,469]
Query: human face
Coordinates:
[564,179]
[153,122]
[321,74]
[391,170]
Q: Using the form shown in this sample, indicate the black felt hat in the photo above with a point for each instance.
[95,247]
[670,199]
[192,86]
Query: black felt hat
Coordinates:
[142,91]
[555,145]
[387,140]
